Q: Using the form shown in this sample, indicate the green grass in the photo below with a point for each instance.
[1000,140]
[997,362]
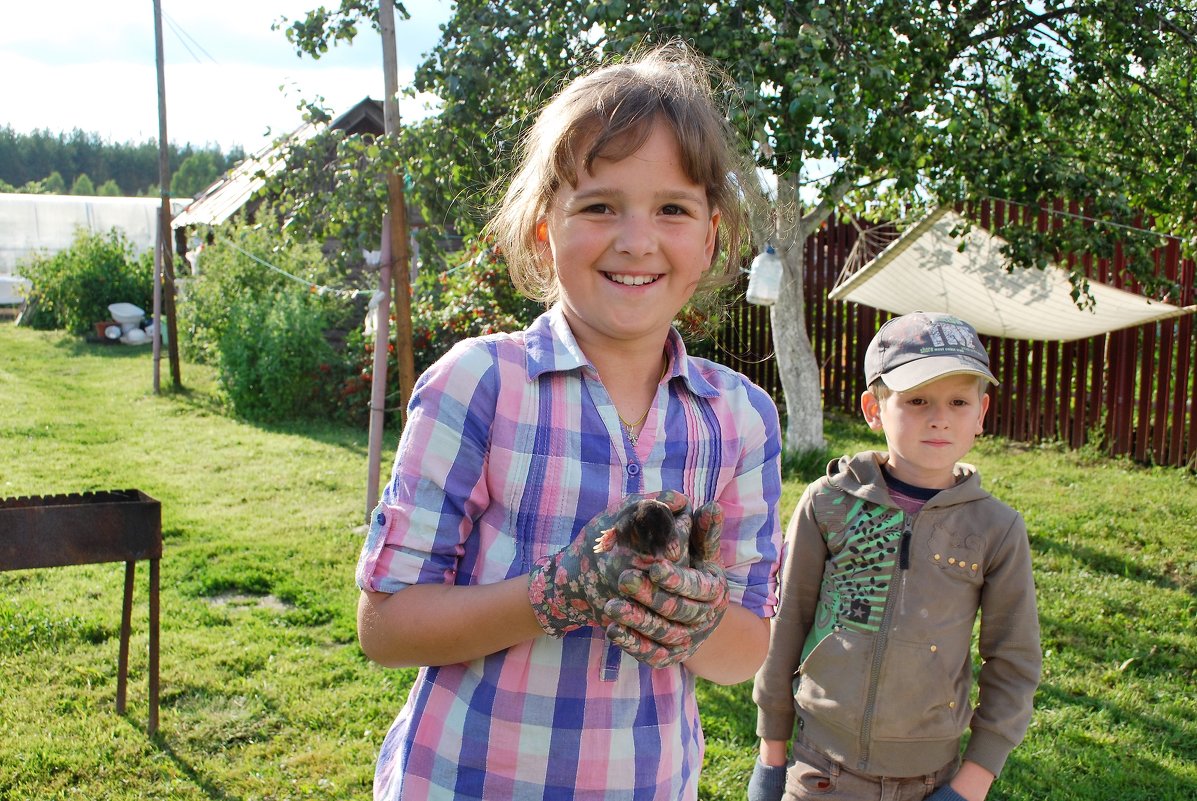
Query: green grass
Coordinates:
[265,694]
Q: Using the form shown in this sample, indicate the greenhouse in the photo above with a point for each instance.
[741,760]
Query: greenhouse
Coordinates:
[46,224]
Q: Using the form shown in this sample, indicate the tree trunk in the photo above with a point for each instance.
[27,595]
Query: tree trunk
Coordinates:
[797,368]
[796,364]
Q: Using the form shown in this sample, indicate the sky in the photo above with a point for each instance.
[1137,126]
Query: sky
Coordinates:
[230,79]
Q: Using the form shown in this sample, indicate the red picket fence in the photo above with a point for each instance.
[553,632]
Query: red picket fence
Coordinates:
[1131,392]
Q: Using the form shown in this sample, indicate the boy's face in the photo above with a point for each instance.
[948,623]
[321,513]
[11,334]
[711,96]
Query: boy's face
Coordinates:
[629,244]
[929,428]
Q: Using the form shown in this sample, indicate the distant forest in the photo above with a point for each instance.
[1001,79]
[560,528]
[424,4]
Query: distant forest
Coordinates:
[82,163]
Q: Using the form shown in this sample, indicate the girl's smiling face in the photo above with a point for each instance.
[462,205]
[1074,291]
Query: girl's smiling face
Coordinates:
[629,243]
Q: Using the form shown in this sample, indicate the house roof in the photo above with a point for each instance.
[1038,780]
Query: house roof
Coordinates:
[234,189]
[929,269]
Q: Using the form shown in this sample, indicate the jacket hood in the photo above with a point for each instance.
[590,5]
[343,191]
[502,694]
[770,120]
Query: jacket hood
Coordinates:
[860,475]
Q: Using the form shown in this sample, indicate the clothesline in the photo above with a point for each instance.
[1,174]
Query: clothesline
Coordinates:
[319,289]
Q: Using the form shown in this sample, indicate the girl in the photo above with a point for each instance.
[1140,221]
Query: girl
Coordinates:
[547,669]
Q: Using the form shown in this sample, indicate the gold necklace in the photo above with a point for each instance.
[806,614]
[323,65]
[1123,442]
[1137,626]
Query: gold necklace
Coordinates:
[630,428]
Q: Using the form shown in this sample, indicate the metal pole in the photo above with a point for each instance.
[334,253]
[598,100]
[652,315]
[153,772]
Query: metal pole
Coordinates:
[378,387]
[158,312]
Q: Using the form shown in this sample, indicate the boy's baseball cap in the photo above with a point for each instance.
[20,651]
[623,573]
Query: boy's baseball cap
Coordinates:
[910,350]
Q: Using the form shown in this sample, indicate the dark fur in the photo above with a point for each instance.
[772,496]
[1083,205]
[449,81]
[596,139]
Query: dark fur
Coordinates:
[647,526]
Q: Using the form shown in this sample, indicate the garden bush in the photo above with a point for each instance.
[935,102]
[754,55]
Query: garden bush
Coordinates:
[73,288]
[274,360]
[228,272]
[269,335]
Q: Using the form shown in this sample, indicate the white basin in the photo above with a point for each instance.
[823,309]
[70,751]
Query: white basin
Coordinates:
[128,315]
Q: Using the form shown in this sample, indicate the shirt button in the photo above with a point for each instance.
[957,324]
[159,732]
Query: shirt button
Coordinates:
[934,648]
[633,469]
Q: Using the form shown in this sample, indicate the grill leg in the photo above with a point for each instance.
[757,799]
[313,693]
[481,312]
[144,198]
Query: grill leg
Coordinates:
[153,727]
[122,665]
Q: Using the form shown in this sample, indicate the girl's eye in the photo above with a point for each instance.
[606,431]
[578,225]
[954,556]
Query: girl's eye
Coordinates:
[596,208]
[673,209]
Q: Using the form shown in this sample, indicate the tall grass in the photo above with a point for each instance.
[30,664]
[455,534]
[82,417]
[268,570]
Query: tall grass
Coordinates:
[265,694]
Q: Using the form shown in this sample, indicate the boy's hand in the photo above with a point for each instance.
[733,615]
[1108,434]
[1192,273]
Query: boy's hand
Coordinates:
[568,589]
[666,614]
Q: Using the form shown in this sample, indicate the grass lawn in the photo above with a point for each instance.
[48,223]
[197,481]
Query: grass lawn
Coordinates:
[265,695]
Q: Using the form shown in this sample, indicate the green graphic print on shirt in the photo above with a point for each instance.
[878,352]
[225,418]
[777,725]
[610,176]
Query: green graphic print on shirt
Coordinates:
[862,542]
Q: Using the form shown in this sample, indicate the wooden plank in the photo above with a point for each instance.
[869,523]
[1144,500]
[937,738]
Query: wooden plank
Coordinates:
[1048,390]
[1178,453]
[1141,430]
[1057,386]
[1035,427]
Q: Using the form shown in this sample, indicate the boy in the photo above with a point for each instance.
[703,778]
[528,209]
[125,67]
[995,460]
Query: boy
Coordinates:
[888,559]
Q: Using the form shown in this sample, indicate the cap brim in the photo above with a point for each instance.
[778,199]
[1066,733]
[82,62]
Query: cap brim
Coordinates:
[914,374]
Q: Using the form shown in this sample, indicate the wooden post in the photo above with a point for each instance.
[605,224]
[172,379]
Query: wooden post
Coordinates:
[168,270]
[398,210]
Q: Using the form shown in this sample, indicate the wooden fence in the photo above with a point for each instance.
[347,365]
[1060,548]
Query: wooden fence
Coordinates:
[1131,392]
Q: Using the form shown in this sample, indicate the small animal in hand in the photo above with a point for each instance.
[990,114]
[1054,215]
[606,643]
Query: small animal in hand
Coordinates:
[645,526]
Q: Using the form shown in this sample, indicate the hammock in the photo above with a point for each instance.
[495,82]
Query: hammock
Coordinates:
[925,269]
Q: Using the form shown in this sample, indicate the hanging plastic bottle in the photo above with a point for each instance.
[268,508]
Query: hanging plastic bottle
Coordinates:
[764,278]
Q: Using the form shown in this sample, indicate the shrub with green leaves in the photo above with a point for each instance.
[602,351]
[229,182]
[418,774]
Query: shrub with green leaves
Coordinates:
[267,333]
[73,288]
[231,269]
[274,359]
[473,298]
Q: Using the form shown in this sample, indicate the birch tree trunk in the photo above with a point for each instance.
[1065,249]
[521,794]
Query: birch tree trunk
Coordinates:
[801,379]
[796,364]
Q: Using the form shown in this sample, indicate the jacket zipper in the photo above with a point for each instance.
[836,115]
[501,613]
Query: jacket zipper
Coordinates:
[896,589]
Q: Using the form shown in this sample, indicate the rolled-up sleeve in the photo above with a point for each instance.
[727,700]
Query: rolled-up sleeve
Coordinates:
[750,505]
[437,488]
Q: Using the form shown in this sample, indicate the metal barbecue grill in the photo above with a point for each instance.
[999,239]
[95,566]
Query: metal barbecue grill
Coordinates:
[86,528]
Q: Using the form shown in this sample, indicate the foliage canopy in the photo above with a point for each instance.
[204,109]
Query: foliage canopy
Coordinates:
[878,109]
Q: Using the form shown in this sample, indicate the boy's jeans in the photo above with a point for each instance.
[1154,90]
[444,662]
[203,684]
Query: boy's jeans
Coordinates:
[812,775]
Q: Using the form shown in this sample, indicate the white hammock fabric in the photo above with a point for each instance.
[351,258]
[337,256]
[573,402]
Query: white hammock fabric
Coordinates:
[926,270]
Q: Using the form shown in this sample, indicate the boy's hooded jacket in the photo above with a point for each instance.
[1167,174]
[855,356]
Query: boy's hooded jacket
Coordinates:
[870,650]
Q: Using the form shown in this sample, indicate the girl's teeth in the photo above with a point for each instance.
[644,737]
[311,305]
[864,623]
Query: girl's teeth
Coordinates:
[632,280]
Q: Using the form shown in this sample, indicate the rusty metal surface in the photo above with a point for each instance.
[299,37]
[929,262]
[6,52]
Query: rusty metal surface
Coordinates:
[85,528]
[79,529]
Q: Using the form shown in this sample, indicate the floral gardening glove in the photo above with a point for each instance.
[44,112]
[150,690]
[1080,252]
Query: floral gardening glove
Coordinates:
[666,613]
[568,589]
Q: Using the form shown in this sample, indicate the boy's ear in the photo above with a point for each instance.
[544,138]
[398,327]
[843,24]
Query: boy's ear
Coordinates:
[870,407]
[981,416]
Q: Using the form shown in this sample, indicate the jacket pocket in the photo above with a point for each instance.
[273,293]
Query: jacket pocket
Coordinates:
[917,696]
[832,683]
